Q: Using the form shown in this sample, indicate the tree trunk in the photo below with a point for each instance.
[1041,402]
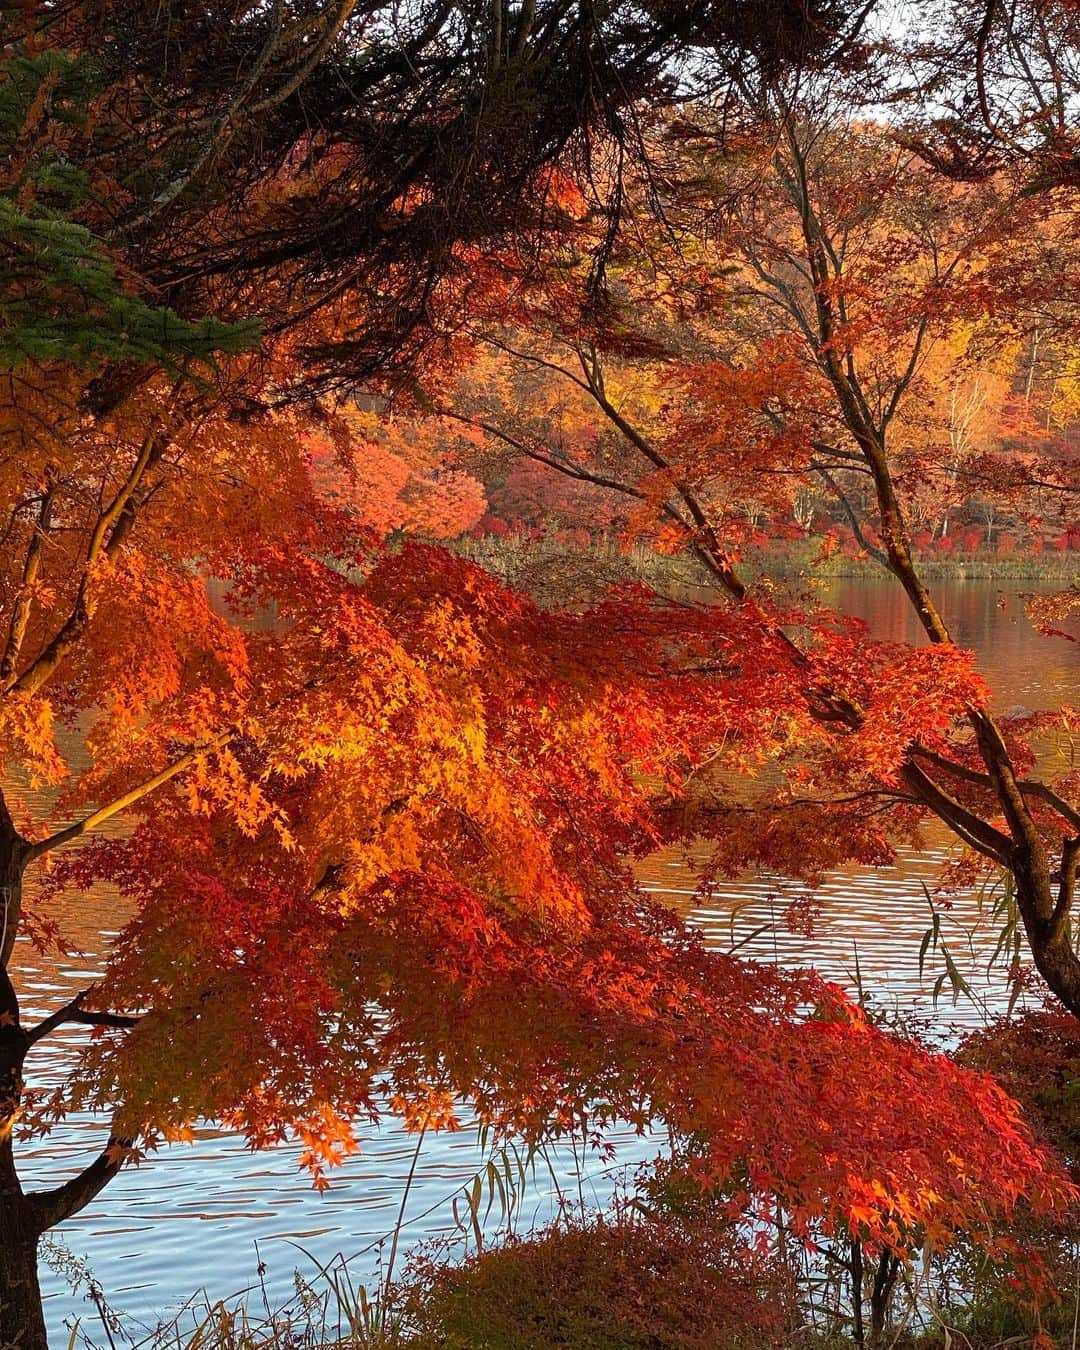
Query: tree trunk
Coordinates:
[888,1268]
[858,1333]
[22,1321]
[22,1318]
[24,1217]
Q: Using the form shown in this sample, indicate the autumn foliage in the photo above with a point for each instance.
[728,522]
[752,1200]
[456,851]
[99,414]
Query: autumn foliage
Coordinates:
[382,846]
[394,482]
[376,814]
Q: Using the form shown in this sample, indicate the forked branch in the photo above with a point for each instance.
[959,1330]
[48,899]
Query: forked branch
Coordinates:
[75,1012]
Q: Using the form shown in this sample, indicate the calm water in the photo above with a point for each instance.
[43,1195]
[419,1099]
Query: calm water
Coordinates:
[192,1217]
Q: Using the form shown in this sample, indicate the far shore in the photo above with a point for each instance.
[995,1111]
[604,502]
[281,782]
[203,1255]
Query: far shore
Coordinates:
[519,557]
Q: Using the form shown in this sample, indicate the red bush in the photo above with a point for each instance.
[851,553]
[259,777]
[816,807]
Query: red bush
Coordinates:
[641,1285]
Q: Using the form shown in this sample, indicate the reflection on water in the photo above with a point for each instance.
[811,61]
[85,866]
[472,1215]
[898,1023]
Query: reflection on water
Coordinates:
[193,1215]
[1022,668]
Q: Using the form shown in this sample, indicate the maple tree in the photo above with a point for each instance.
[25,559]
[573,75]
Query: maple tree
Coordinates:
[387,842]
[380,848]
[795,342]
[384,847]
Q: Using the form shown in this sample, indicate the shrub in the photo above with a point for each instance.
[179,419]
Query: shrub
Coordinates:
[603,1285]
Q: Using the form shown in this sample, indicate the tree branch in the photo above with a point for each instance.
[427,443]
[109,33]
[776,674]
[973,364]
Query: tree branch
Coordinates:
[103,540]
[129,798]
[74,1012]
[1070,855]
[972,829]
[52,1207]
[20,614]
[874,552]
[315,55]
[551,460]
[1029,787]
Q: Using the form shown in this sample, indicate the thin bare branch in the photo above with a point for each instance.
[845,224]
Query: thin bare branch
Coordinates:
[129,798]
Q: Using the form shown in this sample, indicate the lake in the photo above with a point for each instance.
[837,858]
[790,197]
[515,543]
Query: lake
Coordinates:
[206,1214]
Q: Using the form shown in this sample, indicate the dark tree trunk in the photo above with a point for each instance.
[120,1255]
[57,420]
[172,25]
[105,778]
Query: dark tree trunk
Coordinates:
[881,1296]
[858,1333]
[22,1321]
[22,1318]
[24,1217]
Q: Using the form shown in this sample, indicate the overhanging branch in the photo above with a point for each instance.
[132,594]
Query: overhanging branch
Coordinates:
[75,1012]
[129,798]
[1029,787]
[52,1207]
